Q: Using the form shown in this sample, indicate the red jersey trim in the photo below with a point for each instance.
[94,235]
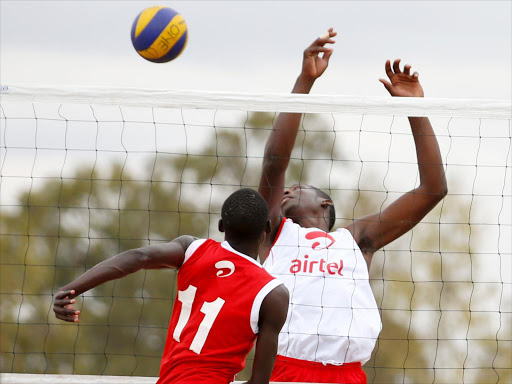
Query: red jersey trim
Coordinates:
[277,235]
[192,248]
[189,260]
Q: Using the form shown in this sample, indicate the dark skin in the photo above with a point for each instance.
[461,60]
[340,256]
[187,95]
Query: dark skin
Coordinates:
[302,203]
[171,255]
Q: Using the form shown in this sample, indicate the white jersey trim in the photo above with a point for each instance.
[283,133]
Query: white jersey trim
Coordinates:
[229,248]
[192,248]
[258,300]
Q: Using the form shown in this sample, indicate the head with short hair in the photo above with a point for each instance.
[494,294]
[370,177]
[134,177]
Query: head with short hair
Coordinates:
[244,215]
[303,201]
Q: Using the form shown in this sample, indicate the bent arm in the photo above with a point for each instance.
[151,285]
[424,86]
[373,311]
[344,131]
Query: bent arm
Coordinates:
[273,313]
[282,138]
[277,154]
[168,255]
[375,231]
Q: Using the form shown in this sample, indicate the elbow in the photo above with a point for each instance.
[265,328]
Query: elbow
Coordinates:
[273,164]
[134,260]
[444,191]
[142,257]
[435,193]
[443,188]
[440,193]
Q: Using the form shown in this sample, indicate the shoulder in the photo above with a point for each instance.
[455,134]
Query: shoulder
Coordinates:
[275,305]
[185,241]
[276,229]
[279,294]
[285,223]
[190,244]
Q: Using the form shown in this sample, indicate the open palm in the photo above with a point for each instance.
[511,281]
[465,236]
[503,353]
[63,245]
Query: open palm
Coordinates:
[402,83]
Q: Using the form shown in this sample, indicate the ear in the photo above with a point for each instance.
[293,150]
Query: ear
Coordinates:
[268,227]
[221,226]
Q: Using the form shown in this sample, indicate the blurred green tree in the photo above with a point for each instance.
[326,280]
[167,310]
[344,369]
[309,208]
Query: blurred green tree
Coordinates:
[70,224]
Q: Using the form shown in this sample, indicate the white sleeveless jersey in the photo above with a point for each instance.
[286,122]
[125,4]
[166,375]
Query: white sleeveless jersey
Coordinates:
[332,317]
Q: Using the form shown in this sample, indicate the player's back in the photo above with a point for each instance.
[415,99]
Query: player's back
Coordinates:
[215,317]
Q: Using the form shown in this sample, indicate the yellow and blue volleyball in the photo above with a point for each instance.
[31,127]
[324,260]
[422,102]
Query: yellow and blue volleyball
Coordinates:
[159,34]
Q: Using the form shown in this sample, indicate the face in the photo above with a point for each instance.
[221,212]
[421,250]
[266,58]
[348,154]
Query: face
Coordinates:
[300,200]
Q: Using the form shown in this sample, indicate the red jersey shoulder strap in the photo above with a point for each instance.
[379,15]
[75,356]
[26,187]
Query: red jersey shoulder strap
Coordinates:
[195,249]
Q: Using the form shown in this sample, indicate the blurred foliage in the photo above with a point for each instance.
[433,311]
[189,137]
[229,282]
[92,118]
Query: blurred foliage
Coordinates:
[70,224]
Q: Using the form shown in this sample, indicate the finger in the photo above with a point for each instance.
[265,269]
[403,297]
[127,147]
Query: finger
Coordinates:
[62,303]
[321,41]
[321,49]
[66,311]
[65,318]
[327,56]
[396,66]
[324,39]
[330,33]
[415,75]
[63,294]
[387,84]
[313,51]
[69,319]
[407,69]
[389,72]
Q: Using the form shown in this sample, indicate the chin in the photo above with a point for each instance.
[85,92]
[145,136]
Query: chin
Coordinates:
[289,210]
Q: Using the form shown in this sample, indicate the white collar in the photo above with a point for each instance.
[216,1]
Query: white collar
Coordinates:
[228,247]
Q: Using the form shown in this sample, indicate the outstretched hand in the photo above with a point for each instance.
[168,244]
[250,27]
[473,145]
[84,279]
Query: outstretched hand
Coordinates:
[317,55]
[63,307]
[402,83]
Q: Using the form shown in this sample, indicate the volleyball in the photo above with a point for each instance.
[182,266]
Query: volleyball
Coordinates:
[159,34]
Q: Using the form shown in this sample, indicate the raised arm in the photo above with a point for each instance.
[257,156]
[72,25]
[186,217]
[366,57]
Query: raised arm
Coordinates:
[375,231]
[168,255]
[272,317]
[282,139]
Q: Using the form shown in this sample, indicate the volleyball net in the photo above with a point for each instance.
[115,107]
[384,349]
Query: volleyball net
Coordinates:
[87,173]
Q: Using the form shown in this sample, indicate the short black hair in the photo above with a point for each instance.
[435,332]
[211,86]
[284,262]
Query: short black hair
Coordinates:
[332,211]
[244,214]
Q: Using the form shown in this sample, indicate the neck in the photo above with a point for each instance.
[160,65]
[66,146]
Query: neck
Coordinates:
[243,246]
[311,222]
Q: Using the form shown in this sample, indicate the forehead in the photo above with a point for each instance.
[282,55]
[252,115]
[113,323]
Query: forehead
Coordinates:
[305,188]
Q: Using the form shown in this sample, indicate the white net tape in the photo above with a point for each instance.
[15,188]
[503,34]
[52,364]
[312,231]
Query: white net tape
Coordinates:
[89,172]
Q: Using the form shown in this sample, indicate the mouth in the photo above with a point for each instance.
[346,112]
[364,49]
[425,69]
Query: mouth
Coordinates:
[285,199]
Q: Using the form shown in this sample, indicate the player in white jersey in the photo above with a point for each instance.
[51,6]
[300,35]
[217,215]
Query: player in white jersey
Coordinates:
[333,321]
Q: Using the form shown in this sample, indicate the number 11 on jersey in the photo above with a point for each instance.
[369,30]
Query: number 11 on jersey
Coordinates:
[211,311]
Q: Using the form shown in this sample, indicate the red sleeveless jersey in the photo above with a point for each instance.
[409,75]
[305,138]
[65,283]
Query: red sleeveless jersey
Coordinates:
[214,322]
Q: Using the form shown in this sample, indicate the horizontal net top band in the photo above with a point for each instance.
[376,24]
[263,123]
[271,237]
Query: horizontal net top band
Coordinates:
[272,102]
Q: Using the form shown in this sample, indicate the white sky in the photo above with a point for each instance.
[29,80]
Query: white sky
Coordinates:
[461,49]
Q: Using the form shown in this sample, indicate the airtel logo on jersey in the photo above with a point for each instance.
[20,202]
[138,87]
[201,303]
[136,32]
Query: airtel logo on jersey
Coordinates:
[225,268]
[314,266]
[317,235]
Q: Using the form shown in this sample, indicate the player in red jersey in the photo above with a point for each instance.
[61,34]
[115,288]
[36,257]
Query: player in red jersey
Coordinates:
[333,321]
[225,300]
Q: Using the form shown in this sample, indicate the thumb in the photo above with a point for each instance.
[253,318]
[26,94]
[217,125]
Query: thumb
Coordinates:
[327,55]
[388,85]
